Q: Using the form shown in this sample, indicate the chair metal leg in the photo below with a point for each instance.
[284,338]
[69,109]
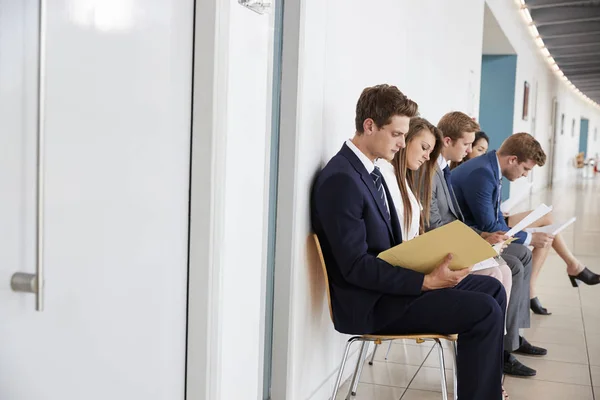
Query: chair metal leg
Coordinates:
[442,370]
[359,366]
[387,353]
[455,369]
[341,372]
[373,354]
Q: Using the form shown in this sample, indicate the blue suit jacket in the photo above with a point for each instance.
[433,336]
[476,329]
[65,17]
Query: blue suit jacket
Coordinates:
[477,187]
[367,294]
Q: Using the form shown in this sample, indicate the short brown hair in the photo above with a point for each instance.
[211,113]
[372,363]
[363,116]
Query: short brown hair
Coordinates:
[455,124]
[524,147]
[381,103]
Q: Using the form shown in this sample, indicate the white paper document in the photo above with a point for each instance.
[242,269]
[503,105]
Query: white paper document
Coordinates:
[533,216]
[500,246]
[512,201]
[489,263]
[553,229]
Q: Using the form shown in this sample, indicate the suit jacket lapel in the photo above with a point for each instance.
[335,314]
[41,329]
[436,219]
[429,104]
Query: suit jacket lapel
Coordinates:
[446,192]
[368,181]
[394,217]
[494,165]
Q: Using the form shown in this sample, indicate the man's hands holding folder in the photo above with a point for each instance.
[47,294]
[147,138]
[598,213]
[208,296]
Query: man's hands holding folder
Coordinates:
[443,277]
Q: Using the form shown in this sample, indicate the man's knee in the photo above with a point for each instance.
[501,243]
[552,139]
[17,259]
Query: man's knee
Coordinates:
[495,289]
[492,308]
[518,271]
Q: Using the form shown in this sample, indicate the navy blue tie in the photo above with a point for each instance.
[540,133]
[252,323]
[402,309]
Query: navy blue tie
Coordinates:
[378,181]
[448,179]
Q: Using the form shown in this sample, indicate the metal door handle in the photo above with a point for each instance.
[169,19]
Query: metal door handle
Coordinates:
[20,281]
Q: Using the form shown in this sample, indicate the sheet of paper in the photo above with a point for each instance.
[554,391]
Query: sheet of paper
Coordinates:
[515,199]
[533,216]
[427,251]
[489,263]
[498,246]
[553,229]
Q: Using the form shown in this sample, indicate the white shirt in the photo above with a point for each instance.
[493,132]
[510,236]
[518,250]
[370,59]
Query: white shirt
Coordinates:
[367,163]
[442,163]
[408,232]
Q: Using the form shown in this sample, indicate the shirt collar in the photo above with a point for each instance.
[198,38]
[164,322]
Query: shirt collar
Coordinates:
[442,163]
[361,156]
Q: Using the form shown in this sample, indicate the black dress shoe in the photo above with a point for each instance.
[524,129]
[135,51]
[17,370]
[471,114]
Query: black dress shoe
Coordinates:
[586,276]
[529,349]
[514,367]
[537,308]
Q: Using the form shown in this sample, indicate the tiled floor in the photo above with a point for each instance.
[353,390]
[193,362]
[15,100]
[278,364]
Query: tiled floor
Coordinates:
[571,370]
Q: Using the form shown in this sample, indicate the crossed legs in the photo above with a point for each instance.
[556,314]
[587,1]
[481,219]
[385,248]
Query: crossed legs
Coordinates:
[574,267]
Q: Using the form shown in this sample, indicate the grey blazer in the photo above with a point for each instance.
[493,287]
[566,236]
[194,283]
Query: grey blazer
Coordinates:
[442,208]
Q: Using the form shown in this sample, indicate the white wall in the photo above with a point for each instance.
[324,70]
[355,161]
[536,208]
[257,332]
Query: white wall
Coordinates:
[244,180]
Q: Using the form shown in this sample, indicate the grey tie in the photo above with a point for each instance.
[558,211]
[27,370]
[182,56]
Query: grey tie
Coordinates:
[498,212]
[378,181]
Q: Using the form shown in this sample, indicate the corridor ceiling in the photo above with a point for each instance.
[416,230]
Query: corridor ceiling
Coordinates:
[570,30]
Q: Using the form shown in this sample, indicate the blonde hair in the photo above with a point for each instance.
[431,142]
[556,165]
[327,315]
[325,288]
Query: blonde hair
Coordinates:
[455,124]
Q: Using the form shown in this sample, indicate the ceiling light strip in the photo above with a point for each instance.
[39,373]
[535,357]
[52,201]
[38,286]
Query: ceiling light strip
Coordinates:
[526,15]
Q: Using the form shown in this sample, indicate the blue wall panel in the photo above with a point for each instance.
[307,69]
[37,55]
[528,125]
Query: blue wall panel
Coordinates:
[497,101]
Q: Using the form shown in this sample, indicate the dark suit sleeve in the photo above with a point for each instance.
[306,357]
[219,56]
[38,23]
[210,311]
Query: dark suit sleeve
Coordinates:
[481,203]
[339,206]
[479,199]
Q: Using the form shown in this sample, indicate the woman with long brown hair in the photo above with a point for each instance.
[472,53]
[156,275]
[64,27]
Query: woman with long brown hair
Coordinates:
[410,175]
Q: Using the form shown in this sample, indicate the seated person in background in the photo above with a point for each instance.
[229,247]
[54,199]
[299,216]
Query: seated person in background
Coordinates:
[574,266]
[478,187]
[459,130]
[480,147]
[355,219]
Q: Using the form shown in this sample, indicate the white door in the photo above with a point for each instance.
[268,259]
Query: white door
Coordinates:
[117,121]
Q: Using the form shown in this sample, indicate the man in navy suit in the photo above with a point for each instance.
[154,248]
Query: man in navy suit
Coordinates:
[478,187]
[355,219]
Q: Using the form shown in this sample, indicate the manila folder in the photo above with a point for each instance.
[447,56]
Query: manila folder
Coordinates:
[425,252]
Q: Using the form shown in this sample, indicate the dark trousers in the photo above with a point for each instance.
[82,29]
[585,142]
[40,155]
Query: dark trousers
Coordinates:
[475,311]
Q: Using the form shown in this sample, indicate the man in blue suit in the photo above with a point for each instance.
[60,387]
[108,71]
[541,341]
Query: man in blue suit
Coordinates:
[478,187]
[355,219]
